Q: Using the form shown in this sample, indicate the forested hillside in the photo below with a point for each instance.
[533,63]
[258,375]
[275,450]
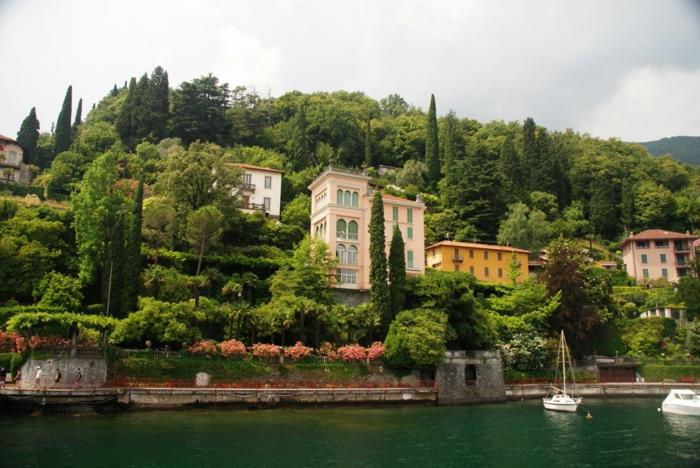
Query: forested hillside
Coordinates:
[151,232]
[683,148]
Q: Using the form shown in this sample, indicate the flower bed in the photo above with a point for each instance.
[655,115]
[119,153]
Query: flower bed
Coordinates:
[233,349]
[297,352]
[203,347]
[265,351]
[352,353]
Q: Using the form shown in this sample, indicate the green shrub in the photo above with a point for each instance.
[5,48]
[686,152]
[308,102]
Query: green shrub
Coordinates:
[660,372]
[416,338]
[21,190]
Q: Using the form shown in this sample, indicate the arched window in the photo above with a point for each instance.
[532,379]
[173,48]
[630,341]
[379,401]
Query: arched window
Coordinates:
[340,229]
[340,253]
[352,255]
[355,199]
[348,198]
[352,230]
[339,197]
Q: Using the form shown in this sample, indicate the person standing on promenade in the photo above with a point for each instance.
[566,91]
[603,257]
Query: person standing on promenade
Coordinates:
[18,377]
[3,376]
[78,377]
[37,376]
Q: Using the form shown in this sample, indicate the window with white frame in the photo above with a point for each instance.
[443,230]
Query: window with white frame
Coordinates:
[352,255]
[353,230]
[409,259]
[347,276]
[266,203]
[340,253]
[341,229]
[268,181]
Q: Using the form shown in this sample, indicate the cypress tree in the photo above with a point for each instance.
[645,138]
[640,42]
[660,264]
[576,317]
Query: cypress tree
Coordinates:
[379,291]
[397,273]
[125,123]
[300,152]
[529,154]
[78,116]
[132,262]
[64,134]
[28,136]
[159,100]
[114,92]
[432,152]
[369,160]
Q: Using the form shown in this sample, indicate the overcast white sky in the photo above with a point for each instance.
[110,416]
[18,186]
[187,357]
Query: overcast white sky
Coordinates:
[629,69]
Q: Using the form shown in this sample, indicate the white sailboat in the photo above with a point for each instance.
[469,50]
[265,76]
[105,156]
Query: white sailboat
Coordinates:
[558,399]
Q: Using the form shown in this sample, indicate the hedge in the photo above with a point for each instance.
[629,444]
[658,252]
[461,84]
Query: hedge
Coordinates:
[660,372]
[22,190]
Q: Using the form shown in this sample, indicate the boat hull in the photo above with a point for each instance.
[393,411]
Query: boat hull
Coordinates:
[562,406]
[675,408]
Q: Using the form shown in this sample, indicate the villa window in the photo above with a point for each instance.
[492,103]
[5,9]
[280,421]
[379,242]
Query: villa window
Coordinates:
[486,254]
[340,229]
[352,230]
[347,276]
[339,197]
[680,259]
[268,182]
[248,179]
[266,202]
[409,215]
[348,198]
[471,270]
[642,244]
[661,244]
[486,271]
[395,213]
[644,258]
[409,233]
[355,199]
[340,253]
[471,253]
[662,258]
[352,255]
[500,256]
[664,273]
[409,259]
[645,273]
[500,272]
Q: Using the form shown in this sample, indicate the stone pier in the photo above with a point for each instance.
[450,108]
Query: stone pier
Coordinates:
[470,377]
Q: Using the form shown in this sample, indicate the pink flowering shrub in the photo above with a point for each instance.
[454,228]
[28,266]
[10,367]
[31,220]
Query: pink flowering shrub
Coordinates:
[375,351]
[11,342]
[233,348]
[328,351]
[47,341]
[352,353]
[206,347]
[265,351]
[297,352]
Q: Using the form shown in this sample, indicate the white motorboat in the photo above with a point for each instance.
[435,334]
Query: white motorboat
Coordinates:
[558,399]
[682,401]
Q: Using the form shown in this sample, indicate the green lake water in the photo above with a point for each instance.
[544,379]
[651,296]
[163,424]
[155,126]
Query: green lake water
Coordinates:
[622,433]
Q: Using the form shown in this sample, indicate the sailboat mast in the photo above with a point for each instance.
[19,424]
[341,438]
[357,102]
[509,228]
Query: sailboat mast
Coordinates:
[563,358]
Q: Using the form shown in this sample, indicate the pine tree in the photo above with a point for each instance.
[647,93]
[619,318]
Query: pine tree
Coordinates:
[132,264]
[369,159]
[159,100]
[478,192]
[509,171]
[28,136]
[78,117]
[379,291]
[542,175]
[530,155]
[397,273]
[64,134]
[125,121]
[432,151]
[300,152]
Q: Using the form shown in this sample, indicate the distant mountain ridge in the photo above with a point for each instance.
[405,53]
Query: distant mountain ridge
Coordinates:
[683,148]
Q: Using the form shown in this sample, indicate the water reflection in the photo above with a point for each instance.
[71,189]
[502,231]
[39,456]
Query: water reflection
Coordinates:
[681,425]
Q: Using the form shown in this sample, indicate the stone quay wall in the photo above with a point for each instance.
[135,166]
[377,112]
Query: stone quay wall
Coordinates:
[93,372]
[470,377]
[599,390]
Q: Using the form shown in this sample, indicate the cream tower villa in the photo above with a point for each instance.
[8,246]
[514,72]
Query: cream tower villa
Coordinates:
[341,204]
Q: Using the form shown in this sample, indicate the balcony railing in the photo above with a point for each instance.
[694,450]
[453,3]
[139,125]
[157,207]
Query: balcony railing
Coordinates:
[458,259]
[253,206]
[248,186]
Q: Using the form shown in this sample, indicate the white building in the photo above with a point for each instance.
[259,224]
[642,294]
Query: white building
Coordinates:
[12,169]
[676,313]
[261,189]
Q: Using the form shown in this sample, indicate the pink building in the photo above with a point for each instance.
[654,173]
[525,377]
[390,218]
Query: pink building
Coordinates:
[340,214]
[655,253]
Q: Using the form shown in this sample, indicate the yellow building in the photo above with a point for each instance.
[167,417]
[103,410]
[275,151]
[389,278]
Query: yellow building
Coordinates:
[489,263]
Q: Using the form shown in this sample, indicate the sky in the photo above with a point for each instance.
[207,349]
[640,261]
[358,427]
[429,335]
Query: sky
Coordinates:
[628,69]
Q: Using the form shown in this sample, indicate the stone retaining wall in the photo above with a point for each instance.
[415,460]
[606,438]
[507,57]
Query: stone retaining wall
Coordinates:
[93,372]
[456,386]
[599,390]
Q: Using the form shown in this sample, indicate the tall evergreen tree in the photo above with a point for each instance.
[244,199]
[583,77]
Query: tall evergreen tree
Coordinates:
[125,124]
[397,273]
[509,172]
[132,265]
[379,290]
[603,209]
[542,175]
[369,159]
[199,111]
[627,206]
[159,100]
[64,133]
[28,137]
[78,116]
[300,151]
[450,160]
[478,194]
[530,153]
[432,151]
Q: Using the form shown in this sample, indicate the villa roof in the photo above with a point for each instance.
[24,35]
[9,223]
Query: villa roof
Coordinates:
[658,234]
[6,138]
[386,196]
[259,168]
[474,245]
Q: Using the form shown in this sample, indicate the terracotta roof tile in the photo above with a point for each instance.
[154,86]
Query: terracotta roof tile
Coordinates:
[658,234]
[260,168]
